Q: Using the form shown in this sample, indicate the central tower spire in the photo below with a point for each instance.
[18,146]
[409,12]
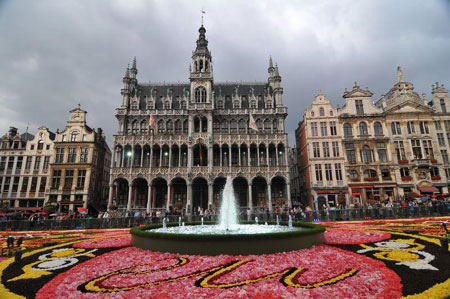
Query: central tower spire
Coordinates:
[201,70]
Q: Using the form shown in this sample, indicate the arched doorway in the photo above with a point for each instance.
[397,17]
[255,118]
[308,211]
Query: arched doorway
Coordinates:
[140,193]
[321,201]
[199,194]
[219,184]
[120,195]
[259,189]
[159,193]
[240,186]
[278,189]
[179,195]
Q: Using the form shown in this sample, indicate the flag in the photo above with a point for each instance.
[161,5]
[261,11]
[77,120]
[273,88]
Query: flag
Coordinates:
[151,122]
[252,123]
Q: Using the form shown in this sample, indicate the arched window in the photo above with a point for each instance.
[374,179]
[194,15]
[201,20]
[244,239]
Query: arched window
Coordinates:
[348,132]
[331,112]
[178,127]
[275,125]
[41,144]
[233,126]
[135,127]
[201,66]
[363,129]
[169,126]
[144,125]
[321,111]
[312,113]
[160,126]
[366,154]
[378,128]
[74,136]
[200,95]
[370,173]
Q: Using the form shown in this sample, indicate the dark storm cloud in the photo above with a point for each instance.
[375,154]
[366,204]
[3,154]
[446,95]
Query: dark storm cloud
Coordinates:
[55,54]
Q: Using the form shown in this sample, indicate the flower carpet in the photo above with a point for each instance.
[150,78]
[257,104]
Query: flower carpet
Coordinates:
[360,259]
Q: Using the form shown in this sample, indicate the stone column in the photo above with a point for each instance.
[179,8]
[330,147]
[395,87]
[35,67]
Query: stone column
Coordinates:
[257,156]
[288,194]
[269,193]
[130,194]
[142,156]
[110,196]
[229,157]
[170,156]
[239,153]
[221,158]
[179,156]
[267,155]
[122,158]
[210,195]
[149,198]
[169,196]
[250,199]
[248,156]
[151,157]
[189,156]
[160,156]
[189,199]
[276,156]
[210,157]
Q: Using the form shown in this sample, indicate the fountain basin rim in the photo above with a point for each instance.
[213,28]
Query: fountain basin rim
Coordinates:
[309,229]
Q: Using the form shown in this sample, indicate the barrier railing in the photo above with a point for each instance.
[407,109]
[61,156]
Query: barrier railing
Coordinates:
[330,215]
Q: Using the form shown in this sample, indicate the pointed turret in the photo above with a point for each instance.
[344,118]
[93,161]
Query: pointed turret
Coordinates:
[275,83]
[271,69]
[125,91]
[133,72]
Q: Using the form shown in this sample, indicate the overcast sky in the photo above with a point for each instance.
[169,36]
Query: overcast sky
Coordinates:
[56,54]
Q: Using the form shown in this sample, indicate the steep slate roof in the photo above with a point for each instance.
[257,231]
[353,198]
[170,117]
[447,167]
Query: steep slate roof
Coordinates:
[161,91]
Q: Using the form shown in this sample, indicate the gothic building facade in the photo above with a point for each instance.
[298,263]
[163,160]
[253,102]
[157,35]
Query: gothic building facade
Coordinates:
[177,143]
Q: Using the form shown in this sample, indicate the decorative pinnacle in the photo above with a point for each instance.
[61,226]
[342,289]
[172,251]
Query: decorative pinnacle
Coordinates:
[270,62]
[134,63]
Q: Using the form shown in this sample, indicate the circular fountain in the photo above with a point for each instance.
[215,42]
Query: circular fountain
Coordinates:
[228,236]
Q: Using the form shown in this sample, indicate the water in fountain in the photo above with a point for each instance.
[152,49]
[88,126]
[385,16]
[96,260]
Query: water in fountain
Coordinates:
[228,220]
[278,221]
[290,223]
[228,212]
[164,224]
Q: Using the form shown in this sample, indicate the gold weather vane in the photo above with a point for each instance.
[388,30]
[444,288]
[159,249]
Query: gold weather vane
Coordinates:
[203,12]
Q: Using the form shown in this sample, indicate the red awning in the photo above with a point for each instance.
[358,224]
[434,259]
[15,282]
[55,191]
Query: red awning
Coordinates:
[428,189]
[356,193]
[361,186]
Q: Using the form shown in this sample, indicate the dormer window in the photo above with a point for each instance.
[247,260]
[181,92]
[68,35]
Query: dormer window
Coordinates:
[151,105]
[359,107]
[236,104]
[268,104]
[134,105]
[220,104]
[321,111]
[40,145]
[183,104]
[167,105]
[74,136]
[253,104]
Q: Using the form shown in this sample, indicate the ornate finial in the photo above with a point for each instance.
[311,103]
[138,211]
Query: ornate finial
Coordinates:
[399,74]
[127,72]
[277,73]
[134,62]
[203,12]
[270,62]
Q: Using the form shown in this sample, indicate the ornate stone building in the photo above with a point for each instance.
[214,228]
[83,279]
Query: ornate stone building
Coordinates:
[417,139]
[396,147]
[80,168]
[323,178]
[200,136]
[24,164]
